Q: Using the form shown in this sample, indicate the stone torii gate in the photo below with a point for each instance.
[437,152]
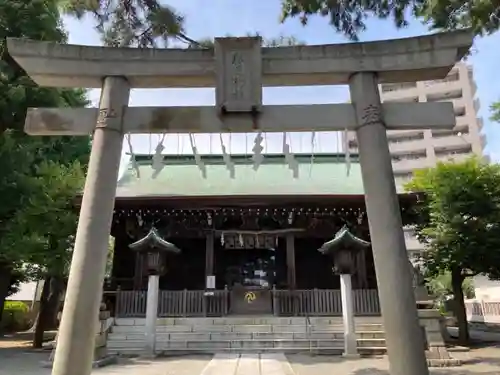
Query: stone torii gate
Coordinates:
[239,68]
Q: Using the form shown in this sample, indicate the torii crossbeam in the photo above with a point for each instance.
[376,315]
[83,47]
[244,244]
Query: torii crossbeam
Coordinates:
[239,68]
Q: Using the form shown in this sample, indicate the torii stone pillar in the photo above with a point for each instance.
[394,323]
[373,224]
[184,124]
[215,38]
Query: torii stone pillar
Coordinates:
[397,299]
[75,349]
[241,67]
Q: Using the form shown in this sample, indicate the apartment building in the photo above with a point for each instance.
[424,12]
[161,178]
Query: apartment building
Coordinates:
[415,149]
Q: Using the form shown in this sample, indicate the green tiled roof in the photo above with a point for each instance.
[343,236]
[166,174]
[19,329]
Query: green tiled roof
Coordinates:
[181,177]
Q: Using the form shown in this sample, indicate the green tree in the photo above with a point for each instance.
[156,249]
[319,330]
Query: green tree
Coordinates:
[441,288]
[495,111]
[458,221]
[348,16]
[146,23]
[46,225]
[20,154]
[140,23]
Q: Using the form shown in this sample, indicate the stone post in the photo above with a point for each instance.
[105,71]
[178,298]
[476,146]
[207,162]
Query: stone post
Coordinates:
[350,341]
[75,349]
[152,313]
[403,336]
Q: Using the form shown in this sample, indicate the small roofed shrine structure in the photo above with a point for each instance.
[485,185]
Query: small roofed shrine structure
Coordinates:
[248,239]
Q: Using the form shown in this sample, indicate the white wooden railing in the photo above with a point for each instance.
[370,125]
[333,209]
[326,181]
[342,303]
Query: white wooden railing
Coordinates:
[480,311]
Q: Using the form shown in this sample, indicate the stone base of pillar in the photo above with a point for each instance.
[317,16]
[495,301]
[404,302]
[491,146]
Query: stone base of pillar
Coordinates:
[101,356]
[437,355]
[350,346]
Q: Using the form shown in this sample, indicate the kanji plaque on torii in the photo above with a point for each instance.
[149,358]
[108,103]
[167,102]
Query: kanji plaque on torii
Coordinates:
[238,68]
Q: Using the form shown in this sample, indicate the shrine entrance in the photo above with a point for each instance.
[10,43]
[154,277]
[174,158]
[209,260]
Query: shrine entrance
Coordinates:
[247,266]
[239,68]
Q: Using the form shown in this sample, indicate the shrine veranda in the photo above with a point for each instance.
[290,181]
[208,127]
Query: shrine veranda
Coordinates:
[219,223]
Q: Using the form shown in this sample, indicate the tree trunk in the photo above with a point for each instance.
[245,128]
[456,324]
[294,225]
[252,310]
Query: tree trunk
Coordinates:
[49,305]
[54,301]
[459,304]
[5,276]
[42,315]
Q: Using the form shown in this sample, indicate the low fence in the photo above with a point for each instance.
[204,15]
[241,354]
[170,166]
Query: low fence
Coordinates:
[479,311]
[192,303]
[173,303]
[324,302]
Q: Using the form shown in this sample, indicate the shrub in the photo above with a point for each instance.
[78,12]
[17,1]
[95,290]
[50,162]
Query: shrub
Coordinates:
[15,316]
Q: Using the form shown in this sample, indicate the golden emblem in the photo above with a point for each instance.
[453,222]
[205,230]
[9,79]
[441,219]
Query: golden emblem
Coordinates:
[250,297]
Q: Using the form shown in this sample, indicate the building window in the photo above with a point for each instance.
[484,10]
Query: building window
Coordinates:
[445,95]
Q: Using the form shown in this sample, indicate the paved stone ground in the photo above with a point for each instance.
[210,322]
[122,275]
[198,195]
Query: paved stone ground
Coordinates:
[18,361]
[482,361]
[23,361]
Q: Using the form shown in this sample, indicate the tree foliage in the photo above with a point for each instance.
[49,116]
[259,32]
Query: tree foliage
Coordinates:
[140,23]
[145,23]
[31,165]
[47,222]
[458,221]
[459,216]
[495,111]
[348,16]
[20,155]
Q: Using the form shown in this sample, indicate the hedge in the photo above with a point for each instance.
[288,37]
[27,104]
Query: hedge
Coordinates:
[15,316]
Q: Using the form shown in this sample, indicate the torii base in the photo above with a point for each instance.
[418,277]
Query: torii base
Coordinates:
[436,353]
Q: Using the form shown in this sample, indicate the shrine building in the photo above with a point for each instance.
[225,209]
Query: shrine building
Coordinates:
[251,237]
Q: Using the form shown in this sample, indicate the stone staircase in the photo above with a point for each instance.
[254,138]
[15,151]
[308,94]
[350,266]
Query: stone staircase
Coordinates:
[246,335]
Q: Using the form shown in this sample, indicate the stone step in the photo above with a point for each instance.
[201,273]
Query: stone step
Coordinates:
[187,336]
[247,328]
[228,344]
[248,321]
[242,344]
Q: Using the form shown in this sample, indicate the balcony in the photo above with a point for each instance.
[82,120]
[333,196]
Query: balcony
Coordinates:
[477,105]
[400,147]
[444,91]
[462,121]
[404,165]
[480,123]
[452,141]
[411,97]
[456,158]
[397,87]
[483,140]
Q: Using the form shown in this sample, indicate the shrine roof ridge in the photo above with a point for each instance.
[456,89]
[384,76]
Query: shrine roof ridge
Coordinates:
[399,60]
[241,158]
[318,176]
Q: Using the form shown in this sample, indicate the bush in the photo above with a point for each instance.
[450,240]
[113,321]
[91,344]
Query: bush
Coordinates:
[15,316]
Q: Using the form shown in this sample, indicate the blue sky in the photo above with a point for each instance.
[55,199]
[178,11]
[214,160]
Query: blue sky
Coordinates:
[237,18]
